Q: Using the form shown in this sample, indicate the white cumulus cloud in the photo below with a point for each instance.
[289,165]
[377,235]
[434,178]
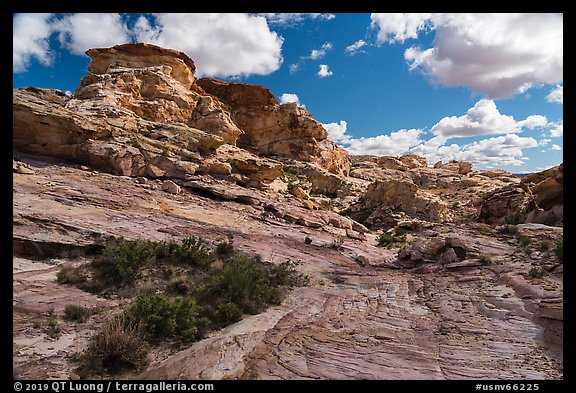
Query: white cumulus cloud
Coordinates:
[291,19]
[398,27]
[356,47]
[30,39]
[289,97]
[498,55]
[320,53]
[555,147]
[336,131]
[557,129]
[220,44]
[80,32]
[484,118]
[556,95]
[396,143]
[324,71]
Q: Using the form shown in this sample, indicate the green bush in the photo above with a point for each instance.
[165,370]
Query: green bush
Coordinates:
[162,316]
[524,240]
[559,250]
[76,312]
[69,274]
[285,274]
[385,239]
[117,347]
[537,272]
[509,229]
[246,282]
[515,218]
[224,248]
[228,313]
[180,285]
[121,261]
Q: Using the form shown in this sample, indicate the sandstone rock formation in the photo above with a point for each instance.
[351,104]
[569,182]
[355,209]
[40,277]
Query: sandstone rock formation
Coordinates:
[145,150]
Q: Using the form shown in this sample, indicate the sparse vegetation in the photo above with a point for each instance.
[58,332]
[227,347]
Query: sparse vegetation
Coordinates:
[69,274]
[117,347]
[515,218]
[186,289]
[509,229]
[307,240]
[559,250]
[54,328]
[485,259]
[537,272]
[524,240]
[337,242]
[121,260]
[180,285]
[385,239]
[77,313]
[544,245]
[162,316]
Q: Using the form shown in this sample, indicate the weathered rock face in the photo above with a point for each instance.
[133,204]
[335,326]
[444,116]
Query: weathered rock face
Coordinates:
[285,130]
[540,196]
[393,196]
[460,167]
[140,55]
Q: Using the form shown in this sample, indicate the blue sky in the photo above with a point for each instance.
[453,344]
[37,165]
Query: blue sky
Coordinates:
[485,88]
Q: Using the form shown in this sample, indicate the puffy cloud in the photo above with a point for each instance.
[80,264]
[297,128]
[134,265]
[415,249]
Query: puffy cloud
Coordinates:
[294,67]
[499,151]
[555,147]
[220,44]
[30,39]
[398,27]
[324,71]
[320,53]
[484,119]
[337,131]
[396,143]
[291,19]
[80,32]
[557,130]
[556,95]
[533,121]
[495,54]
[289,97]
[356,47]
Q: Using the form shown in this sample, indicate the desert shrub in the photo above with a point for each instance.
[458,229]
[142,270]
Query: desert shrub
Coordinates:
[246,282]
[337,242]
[54,330]
[524,240]
[485,259]
[224,248]
[307,240]
[509,229]
[386,239]
[544,245]
[286,274]
[162,316]
[559,250]
[514,218]
[180,285]
[228,313]
[193,251]
[77,313]
[69,274]
[537,272]
[117,347]
[121,261]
